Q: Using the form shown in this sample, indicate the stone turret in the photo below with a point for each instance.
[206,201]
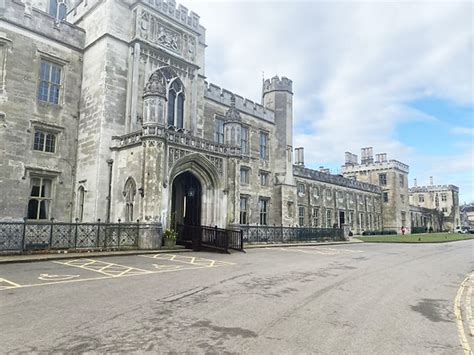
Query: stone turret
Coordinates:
[278,97]
[232,124]
[154,99]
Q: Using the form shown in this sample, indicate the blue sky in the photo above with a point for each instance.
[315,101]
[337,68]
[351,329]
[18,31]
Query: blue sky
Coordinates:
[397,76]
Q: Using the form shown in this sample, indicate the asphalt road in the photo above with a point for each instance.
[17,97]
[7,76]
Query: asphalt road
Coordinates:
[353,299]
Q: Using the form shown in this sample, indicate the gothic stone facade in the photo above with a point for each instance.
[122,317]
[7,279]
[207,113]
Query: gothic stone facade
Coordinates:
[114,119]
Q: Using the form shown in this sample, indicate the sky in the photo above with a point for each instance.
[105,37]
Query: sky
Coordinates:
[396,76]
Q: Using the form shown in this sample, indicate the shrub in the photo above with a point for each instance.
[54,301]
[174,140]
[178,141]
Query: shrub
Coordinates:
[170,234]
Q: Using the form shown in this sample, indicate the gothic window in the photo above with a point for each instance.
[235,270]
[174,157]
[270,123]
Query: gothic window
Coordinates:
[315,216]
[244,140]
[219,131]
[315,192]
[57,9]
[44,141]
[301,189]
[385,197]
[40,198]
[263,146]
[264,178]
[176,104]
[301,216]
[382,179]
[243,210]
[244,175]
[263,208]
[49,85]
[80,203]
[421,198]
[129,193]
[401,179]
[444,197]
[328,218]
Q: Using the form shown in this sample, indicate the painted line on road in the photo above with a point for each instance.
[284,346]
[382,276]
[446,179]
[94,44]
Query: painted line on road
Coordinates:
[118,272]
[459,320]
[470,319]
[317,250]
[190,260]
[160,271]
[102,267]
[7,284]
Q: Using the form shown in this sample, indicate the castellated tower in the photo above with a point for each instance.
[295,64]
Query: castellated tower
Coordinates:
[278,97]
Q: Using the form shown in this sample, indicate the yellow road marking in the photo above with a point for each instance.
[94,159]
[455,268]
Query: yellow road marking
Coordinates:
[459,320]
[188,260]
[106,277]
[99,266]
[10,284]
[470,320]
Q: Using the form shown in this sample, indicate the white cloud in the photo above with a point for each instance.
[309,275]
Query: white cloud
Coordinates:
[356,66]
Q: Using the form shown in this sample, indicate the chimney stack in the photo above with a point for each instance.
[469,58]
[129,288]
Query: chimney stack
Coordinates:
[414,182]
[351,159]
[381,158]
[366,155]
[299,156]
[431,180]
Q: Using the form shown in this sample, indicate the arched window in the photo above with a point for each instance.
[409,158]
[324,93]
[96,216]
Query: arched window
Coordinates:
[176,104]
[80,203]
[57,9]
[129,193]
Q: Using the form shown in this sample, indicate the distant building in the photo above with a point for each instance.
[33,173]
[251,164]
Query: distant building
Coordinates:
[442,198]
[392,178]
[467,215]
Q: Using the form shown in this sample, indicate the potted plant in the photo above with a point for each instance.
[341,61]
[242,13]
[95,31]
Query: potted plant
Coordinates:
[169,237]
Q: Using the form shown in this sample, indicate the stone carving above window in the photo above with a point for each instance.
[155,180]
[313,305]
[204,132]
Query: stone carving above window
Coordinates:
[151,29]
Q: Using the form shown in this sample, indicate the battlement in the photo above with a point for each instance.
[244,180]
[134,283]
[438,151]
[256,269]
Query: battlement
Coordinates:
[277,84]
[385,165]
[223,96]
[38,21]
[430,188]
[179,13]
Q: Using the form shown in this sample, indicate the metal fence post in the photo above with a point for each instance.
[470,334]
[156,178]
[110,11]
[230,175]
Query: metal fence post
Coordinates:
[105,236]
[51,234]
[23,237]
[98,233]
[241,239]
[118,237]
[75,233]
[137,234]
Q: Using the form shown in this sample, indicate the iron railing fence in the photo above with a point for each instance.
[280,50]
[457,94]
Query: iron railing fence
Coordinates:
[281,234]
[209,237]
[25,236]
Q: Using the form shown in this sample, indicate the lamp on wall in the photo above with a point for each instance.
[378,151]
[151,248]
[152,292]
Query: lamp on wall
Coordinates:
[191,192]
[141,191]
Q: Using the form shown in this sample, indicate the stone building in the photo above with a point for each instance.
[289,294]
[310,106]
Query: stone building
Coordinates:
[442,198]
[467,215]
[391,176]
[106,113]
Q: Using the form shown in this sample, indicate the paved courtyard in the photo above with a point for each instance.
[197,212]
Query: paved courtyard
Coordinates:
[358,298]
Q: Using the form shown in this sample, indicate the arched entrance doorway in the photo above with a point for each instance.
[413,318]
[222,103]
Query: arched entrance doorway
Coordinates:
[186,200]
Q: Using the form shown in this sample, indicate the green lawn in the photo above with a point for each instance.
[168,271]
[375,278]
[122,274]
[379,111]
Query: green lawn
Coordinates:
[417,238]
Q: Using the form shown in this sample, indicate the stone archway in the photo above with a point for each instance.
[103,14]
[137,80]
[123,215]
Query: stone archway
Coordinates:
[213,201]
[186,200]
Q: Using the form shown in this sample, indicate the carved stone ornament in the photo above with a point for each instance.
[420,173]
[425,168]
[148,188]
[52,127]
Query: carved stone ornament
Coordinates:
[153,30]
[156,85]
[175,154]
[232,114]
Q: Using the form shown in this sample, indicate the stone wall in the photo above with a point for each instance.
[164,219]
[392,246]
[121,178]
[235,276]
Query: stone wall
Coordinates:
[28,37]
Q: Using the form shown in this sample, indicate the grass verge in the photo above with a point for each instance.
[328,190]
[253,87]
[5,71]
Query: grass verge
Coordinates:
[417,238]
